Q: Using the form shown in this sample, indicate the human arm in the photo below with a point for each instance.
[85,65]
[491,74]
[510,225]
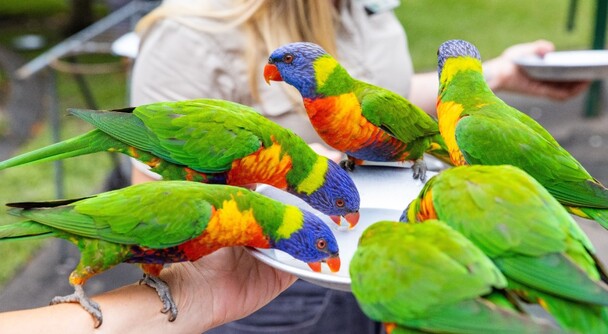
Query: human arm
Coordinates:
[221,287]
[502,75]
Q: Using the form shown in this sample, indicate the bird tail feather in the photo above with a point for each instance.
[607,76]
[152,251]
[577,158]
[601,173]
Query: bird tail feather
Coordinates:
[479,316]
[599,215]
[90,142]
[25,230]
[574,316]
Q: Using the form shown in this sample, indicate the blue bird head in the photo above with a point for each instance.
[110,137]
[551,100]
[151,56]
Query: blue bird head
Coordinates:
[293,63]
[313,243]
[337,197]
[455,48]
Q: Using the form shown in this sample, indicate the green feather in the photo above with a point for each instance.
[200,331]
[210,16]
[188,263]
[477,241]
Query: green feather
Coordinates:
[90,142]
[131,216]
[490,132]
[25,230]
[580,317]
[428,276]
[205,135]
[567,279]
[521,227]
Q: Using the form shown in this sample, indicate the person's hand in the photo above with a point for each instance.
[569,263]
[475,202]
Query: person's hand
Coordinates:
[226,285]
[504,75]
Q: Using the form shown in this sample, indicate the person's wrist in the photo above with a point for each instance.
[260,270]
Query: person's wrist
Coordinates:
[493,74]
[193,301]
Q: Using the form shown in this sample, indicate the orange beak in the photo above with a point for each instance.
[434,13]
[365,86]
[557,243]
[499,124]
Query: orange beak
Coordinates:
[336,219]
[315,266]
[271,73]
[334,263]
[352,219]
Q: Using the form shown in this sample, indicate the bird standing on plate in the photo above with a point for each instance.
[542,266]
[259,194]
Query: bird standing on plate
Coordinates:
[212,141]
[364,121]
[156,223]
[481,129]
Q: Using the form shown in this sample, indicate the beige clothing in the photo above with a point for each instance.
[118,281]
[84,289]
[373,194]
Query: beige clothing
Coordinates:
[178,62]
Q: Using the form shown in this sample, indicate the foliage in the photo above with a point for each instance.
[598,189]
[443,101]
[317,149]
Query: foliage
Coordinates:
[492,25]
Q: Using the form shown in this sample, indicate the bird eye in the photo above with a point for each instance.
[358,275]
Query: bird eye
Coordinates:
[340,203]
[321,244]
[288,58]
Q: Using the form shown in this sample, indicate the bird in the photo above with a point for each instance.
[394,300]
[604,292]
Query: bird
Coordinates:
[546,257]
[428,278]
[157,223]
[212,141]
[365,121]
[481,129]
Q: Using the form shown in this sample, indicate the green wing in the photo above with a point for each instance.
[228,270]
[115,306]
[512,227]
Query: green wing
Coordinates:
[517,223]
[394,114]
[566,279]
[489,137]
[405,271]
[205,135]
[154,214]
[501,211]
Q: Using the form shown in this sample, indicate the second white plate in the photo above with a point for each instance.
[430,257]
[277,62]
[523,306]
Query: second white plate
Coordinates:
[567,65]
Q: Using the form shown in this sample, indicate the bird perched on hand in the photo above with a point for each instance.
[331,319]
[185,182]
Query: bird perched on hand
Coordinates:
[481,129]
[428,278]
[155,223]
[364,121]
[212,141]
[530,237]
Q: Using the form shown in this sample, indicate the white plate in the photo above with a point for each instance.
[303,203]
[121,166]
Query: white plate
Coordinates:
[566,65]
[384,191]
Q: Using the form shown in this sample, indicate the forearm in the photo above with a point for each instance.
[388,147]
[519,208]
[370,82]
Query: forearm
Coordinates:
[424,91]
[130,309]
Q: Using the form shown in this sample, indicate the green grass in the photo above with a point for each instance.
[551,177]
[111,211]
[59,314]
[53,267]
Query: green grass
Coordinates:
[32,8]
[491,25]
[83,175]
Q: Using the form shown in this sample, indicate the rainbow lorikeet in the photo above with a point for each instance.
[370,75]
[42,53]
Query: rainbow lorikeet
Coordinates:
[155,223]
[429,278]
[364,121]
[534,241]
[481,129]
[212,141]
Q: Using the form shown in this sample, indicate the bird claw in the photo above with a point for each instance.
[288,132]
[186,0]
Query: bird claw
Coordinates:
[162,289]
[347,165]
[419,169]
[87,304]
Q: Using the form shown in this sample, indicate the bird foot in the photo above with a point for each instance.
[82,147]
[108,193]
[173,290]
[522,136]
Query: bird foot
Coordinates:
[87,304]
[163,293]
[347,165]
[419,169]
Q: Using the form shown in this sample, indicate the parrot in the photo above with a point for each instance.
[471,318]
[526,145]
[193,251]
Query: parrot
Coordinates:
[366,122]
[157,223]
[529,235]
[429,278]
[481,129]
[212,141]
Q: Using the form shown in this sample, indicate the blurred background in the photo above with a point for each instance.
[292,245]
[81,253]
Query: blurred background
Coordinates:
[82,71]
